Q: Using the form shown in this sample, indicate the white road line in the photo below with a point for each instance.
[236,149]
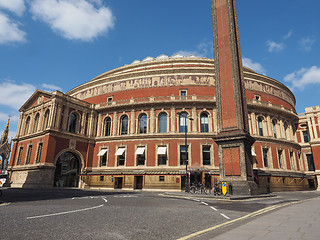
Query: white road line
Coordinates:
[61,213]
[204,203]
[224,216]
[214,208]
[196,200]
[105,199]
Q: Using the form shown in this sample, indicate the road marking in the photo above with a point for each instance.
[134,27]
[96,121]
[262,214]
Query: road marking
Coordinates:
[259,212]
[204,203]
[105,199]
[61,213]
[4,204]
[214,208]
[225,216]
[125,196]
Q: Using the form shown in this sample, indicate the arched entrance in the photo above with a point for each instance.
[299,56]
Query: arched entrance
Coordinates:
[67,170]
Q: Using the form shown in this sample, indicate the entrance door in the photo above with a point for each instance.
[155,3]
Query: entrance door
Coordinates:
[67,171]
[195,178]
[138,182]
[118,183]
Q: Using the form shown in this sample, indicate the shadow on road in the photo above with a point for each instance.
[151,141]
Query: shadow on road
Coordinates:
[23,195]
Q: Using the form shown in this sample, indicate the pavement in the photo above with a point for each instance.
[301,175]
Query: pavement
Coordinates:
[291,221]
[295,221]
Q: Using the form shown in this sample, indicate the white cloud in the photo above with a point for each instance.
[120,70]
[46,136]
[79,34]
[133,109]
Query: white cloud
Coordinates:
[289,34]
[203,50]
[307,43]
[51,87]
[14,95]
[74,19]
[257,67]
[303,77]
[15,6]
[9,31]
[275,47]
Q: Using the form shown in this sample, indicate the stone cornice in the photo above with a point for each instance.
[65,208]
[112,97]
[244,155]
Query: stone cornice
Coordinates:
[276,141]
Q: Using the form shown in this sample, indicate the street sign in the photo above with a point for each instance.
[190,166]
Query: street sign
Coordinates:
[224,187]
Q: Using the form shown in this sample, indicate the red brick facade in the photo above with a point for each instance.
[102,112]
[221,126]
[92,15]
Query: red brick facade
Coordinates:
[56,129]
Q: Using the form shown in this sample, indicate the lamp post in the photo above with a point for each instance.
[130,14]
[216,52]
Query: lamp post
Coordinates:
[185,116]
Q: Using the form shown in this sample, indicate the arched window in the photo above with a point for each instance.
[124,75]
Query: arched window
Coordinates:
[183,122]
[73,123]
[36,123]
[143,123]
[107,126]
[124,125]
[46,119]
[26,129]
[162,122]
[274,126]
[204,122]
[260,127]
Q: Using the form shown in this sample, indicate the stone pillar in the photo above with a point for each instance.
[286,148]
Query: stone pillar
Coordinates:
[65,118]
[195,117]
[152,121]
[132,122]
[114,127]
[19,128]
[83,122]
[173,119]
[99,125]
[233,138]
[53,114]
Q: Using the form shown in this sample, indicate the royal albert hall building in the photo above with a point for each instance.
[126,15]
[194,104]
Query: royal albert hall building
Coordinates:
[127,128]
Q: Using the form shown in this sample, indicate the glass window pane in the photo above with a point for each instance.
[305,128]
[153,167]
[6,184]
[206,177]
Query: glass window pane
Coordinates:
[163,123]
[107,126]
[73,123]
[183,155]
[204,122]
[143,123]
[183,122]
[206,155]
[124,125]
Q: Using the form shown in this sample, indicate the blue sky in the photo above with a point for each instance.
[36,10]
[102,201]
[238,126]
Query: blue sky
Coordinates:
[59,44]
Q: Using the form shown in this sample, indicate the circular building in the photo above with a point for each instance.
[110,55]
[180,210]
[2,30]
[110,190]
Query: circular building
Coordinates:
[146,124]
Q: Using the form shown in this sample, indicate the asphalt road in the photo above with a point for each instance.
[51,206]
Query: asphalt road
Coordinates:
[87,214]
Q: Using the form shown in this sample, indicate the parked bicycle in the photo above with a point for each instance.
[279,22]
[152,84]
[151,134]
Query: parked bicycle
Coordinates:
[199,188]
[217,190]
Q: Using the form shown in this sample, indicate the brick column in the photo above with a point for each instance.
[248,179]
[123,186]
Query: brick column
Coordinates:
[233,138]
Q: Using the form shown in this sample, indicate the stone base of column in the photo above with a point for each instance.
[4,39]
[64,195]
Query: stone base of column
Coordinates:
[318,180]
[244,188]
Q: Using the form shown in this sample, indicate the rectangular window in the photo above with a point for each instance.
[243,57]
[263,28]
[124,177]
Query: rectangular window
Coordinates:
[305,136]
[29,154]
[109,100]
[121,160]
[101,178]
[103,157]
[310,161]
[140,155]
[206,155]
[183,155]
[162,155]
[121,156]
[161,178]
[39,153]
[257,97]
[265,157]
[291,160]
[280,158]
[183,94]
[19,155]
